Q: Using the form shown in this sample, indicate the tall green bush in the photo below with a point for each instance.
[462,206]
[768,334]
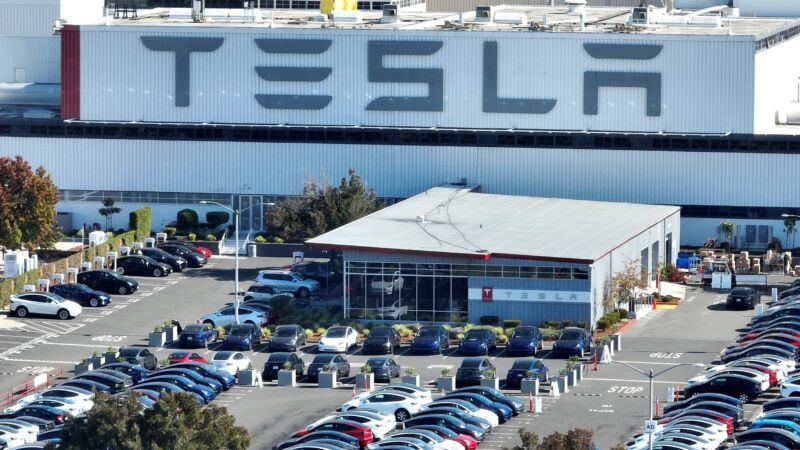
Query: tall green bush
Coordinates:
[141,222]
[217,218]
[187,219]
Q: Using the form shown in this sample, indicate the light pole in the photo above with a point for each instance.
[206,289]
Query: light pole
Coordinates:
[651,376]
[236,212]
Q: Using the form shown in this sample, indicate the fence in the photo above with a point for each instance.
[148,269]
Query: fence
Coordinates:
[38,383]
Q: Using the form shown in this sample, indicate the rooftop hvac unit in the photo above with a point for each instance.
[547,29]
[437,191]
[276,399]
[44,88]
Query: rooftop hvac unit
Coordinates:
[390,14]
[513,18]
[198,10]
[575,6]
[639,16]
[346,16]
[483,14]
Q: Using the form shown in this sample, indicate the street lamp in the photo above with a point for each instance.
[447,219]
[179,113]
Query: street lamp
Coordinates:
[652,376]
[236,213]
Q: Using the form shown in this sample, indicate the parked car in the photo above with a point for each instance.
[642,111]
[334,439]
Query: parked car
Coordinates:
[322,272]
[160,387]
[207,370]
[431,339]
[744,388]
[733,411]
[139,356]
[704,397]
[465,406]
[136,372]
[10,438]
[289,282]
[55,415]
[466,441]
[277,361]
[525,341]
[177,263]
[28,431]
[193,259]
[430,438]
[766,332]
[288,338]
[355,429]
[337,339]
[183,356]
[230,362]
[45,304]
[81,294]
[260,291]
[108,281]
[503,412]
[198,335]
[448,422]
[204,251]
[338,363]
[458,413]
[142,265]
[384,369]
[258,306]
[572,341]
[114,381]
[242,337]
[524,368]
[343,441]
[742,297]
[202,380]
[757,350]
[87,385]
[226,316]
[478,342]
[186,384]
[423,394]
[472,371]
[402,406]
[381,340]
[380,424]
[779,436]
[494,395]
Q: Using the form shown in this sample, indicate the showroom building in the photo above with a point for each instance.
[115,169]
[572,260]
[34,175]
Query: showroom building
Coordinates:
[453,254]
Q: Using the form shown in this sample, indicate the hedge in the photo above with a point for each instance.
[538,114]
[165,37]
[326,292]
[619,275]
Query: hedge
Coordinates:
[140,221]
[217,218]
[187,218]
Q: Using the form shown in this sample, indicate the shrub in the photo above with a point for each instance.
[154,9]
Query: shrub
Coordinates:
[613,317]
[566,323]
[554,324]
[187,218]
[265,333]
[603,323]
[260,240]
[623,313]
[321,331]
[549,333]
[192,236]
[211,237]
[410,371]
[365,332]
[667,298]
[170,231]
[217,218]
[278,240]
[502,339]
[582,324]
[511,323]
[309,333]
[140,221]
[490,320]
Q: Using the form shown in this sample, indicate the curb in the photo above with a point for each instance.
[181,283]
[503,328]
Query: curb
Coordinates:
[626,326]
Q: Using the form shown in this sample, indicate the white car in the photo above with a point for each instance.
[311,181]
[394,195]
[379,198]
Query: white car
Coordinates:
[787,365]
[408,389]
[755,362]
[696,442]
[11,438]
[791,386]
[69,406]
[84,400]
[466,407]
[429,437]
[44,303]
[260,291]
[29,432]
[338,339]
[402,406]
[227,316]
[713,437]
[230,362]
[380,424]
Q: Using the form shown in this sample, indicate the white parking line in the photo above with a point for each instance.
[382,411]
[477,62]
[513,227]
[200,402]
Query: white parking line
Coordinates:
[450,354]
[37,360]
[499,354]
[650,362]
[631,381]
[65,344]
[24,338]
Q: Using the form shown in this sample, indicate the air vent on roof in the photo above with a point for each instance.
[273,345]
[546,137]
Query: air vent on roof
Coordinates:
[483,14]
[513,18]
[639,16]
[575,6]
[346,16]
[390,14]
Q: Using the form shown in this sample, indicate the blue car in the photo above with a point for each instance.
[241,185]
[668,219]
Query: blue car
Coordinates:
[468,418]
[161,386]
[522,368]
[186,384]
[524,341]
[572,341]
[503,412]
[787,425]
[494,395]
[242,337]
[208,371]
[443,420]
[138,373]
[50,435]
[86,384]
[478,342]
[431,339]
[82,294]
[192,375]
[343,440]
[194,336]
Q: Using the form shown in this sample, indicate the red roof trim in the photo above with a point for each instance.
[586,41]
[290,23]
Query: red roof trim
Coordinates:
[483,257]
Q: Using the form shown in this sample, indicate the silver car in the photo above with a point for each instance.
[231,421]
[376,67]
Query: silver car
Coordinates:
[289,282]
[261,291]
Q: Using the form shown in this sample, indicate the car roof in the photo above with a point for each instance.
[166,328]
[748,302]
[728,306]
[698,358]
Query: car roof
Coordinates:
[279,356]
[786,434]
[276,271]
[131,350]
[219,356]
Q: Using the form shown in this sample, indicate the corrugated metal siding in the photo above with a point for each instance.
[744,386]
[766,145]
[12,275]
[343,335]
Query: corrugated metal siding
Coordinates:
[71,72]
[530,284]
[125,81]
[469,5]
[28,17]
[355,255]
[776,83]
[38,56]
[396,171]
[530,313]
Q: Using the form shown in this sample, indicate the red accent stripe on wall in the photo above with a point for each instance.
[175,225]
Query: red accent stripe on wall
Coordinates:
[70,72]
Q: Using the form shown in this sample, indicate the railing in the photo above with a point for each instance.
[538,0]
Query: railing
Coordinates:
[40,382]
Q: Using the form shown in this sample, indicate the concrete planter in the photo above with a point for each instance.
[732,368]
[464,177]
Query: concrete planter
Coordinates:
[617,340]
[572,377]
[579,371]
[529,386]
[248,377]
[171,333]
[327,380]
[493,383]
[157,339]
[611,347]
[410,379]
[83,368]
[365,381]
[563,384]
[111,357]
[287,378]
[97,361]
[447,384]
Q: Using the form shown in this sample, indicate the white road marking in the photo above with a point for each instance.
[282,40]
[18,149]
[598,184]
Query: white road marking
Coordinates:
[645,363]
[38,361]
[499,354]
[65,344]
[631,381]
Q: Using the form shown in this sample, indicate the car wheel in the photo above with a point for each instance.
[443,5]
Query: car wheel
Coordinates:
[156,272]
[120,270]
[249,322]
[94,303]
[302,293]
[212,325]
[122,290]
[401,415]
[63,314]
[22,311]
[744,398]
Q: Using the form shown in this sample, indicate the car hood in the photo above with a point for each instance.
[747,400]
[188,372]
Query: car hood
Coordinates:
[234,338]
[425,340]
[380,340]
[332,341]
[283,339]
[71,306]
[567,343]
[474,344]
[521,342]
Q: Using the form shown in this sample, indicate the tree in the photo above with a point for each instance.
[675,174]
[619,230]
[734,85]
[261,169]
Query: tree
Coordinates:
[574,439]
[176,422]
[790,230]
[27,206]
[108,210]
[621,287]
[727,229]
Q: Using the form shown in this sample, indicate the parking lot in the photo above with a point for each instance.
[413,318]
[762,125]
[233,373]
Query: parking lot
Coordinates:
[612,400]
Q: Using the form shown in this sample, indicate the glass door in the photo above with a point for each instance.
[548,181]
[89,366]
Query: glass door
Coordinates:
[251,213]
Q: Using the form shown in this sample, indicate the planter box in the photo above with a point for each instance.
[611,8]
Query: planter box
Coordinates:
[111,357]
[563,384]
[327,380]
[572,378]
[171,333]
[493,383]
[97,361]
[410,379]
[83,368]
[365,381]
[248,378]
[579,371]
[529,386]
[447,384]
[287,378]
[157,339]
[617,340]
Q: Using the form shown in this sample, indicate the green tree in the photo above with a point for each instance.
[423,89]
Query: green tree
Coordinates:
[620,289]
[111,423]
[727,229]
[27,206]
[108,210]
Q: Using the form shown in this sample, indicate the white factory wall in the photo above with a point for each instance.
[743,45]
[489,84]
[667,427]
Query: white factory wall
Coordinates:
[697,231]
[777,83]
[28,17]
[30,59]
[122,80]
[161,214]
[768,8]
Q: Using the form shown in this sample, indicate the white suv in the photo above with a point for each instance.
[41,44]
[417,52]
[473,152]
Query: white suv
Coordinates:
[288,281]
[45,303]
[261,291]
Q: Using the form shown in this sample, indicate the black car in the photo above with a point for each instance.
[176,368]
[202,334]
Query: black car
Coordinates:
[277,361]
[497,396]
[472,371]
[108,281]
[384,369]
[733,411]
[178,263]
[431,339]
[288,338]
[381,340]
[193,258]
[114,383]
[523,368]
[757,350]
[782,403]
[742,297]
[138,373]
[81,294]
[322,272]
[345,441]
[86,385]
[705,397]
[449,422]
[741,387]
[142,265]
[139,356]
[340,365]
[458,413]
[58,416]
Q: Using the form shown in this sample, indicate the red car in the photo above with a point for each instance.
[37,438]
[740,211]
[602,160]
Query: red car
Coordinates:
[467,441]
[350,428]
[202,250]
[773,331]
[185,357]
[722,419]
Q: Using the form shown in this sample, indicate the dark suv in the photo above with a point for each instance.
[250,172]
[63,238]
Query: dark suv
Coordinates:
[142,265]
[742,297]
[108,281]
[381,340]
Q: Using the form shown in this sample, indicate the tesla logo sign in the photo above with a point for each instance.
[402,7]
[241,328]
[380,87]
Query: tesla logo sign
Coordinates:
[487,292]
[432,80]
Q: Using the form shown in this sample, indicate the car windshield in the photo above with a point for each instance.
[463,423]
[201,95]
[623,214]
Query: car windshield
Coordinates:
[285,332]
[299,277]
[523,333]
[129,352]
[376,362]
[570,335]
[81,287]
[193,329]
[178,355]
[239,331]
[323,359]
[114,274]
[56,298]
[428,331]
[222,356]
[471,363]
[381,332]
[336,332]
[521,365]
[475,335]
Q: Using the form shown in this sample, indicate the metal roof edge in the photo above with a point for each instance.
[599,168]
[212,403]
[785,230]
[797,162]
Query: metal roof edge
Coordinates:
[677,209]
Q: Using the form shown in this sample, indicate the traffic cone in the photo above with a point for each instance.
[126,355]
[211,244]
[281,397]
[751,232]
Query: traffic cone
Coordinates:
[657,414]
[354,392]
[677,393]
[530,401]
